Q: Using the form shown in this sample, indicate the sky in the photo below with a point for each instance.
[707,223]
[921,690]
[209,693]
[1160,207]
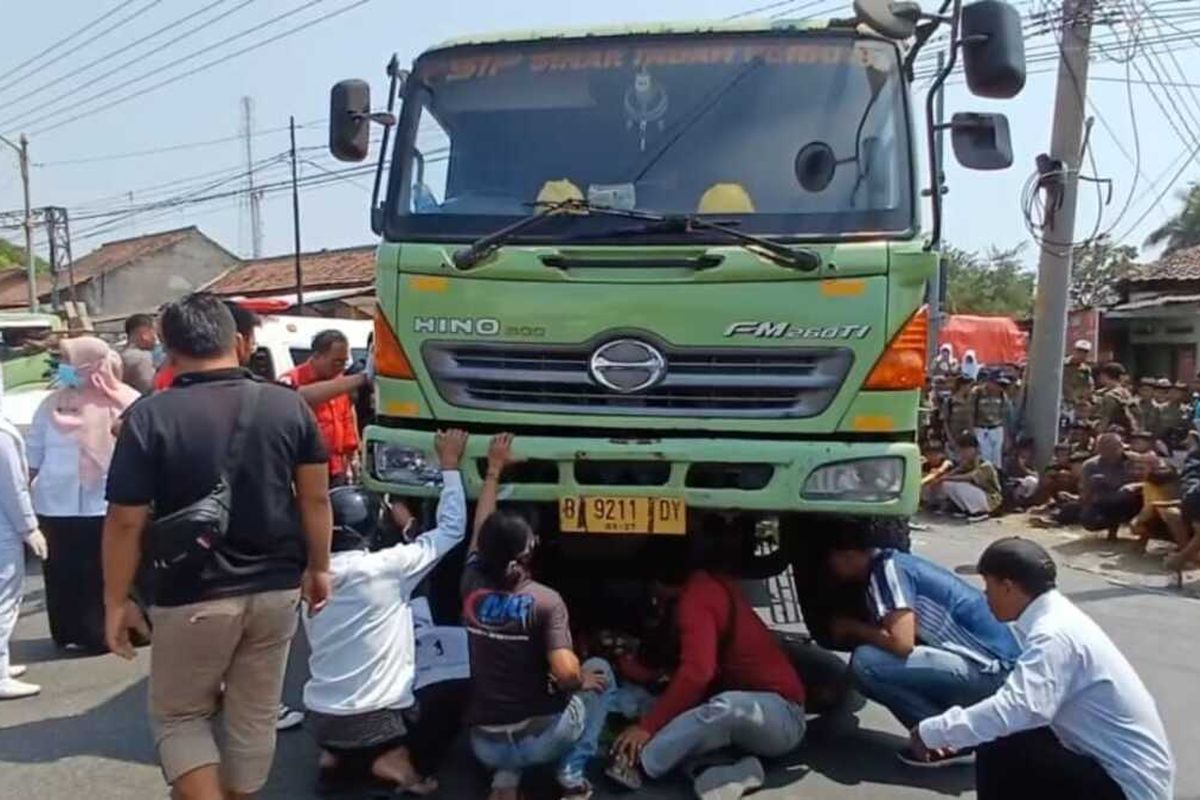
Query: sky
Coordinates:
[78,148]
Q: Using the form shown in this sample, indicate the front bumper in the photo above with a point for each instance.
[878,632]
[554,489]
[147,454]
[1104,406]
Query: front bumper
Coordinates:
[790,465]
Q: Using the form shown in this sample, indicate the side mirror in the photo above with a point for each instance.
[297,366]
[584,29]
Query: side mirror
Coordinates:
[350,120]
[993,49]
[814,166]
[981,141]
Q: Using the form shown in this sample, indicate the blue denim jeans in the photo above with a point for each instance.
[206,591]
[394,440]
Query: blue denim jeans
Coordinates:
[758,723]
[570,742]
[925,684]
[631,701]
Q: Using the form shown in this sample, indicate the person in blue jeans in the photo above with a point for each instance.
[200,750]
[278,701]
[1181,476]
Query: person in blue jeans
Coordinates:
[518,633]
[569,740]
[931,642]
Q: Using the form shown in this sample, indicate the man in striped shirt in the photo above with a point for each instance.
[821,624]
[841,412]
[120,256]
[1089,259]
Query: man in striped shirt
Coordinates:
[931,642]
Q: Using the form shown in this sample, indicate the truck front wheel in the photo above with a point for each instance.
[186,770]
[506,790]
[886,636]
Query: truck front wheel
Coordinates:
[807,540]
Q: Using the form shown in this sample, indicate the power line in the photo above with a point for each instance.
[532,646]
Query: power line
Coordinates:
[1171,54]
[100,211]
[102,202]
[69,53]
[1190,157]
[157,70]
[196,196]
[204,67]
[750,12]
[786,13]
[117,219]
[168,148]
[332,173]
[125,49]
[67,38]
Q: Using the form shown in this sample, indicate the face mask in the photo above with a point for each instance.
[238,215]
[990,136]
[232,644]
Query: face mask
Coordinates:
[67,376]
[158,355]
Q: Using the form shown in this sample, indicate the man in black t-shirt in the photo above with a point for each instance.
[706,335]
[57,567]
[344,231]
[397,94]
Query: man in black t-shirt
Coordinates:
[531,700]
[222,621]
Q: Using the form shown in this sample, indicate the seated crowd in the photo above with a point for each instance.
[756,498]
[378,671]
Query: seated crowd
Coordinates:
[1124,457]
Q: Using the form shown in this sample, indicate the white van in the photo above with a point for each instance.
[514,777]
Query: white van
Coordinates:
[285,342]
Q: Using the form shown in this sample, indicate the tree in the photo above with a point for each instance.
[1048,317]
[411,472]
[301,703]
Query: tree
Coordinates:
[1183,229]
[13,257]
[1096,267]
[996,283]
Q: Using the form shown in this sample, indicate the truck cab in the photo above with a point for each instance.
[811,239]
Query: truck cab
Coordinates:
[684,264]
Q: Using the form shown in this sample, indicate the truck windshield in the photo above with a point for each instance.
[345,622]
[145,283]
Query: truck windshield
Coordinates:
[712,125]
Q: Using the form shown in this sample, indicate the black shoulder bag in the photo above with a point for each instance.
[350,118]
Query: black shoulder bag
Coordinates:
[182,541]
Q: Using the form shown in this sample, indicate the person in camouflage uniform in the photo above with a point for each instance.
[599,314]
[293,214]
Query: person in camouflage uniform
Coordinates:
[1114,404]
[1157,417]
[1077,374]
[989,411]
[1178,416]
[1145,403]
[958,414]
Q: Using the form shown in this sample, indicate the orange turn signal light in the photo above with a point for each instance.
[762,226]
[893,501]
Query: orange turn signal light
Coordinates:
[902,365]
[390,360]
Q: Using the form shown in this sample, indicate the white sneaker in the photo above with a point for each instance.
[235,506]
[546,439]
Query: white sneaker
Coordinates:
[17,670]
[13,689]
[730,782]
[288,718]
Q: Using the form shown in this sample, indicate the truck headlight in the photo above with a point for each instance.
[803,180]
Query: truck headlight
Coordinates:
[408,466]
[871,480]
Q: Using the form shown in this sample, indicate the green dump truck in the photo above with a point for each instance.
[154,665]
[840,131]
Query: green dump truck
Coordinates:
[684,264]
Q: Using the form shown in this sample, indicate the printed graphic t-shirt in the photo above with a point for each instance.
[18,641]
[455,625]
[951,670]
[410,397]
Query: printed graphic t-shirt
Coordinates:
[510,634]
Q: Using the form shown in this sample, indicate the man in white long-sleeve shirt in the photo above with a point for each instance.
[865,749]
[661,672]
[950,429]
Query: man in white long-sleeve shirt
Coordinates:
[1073,719]
[360,697]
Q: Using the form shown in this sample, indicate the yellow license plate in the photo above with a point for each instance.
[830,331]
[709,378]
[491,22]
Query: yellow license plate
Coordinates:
[612,514]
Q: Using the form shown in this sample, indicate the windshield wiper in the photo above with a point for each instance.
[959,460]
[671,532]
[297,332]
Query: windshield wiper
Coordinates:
[803,260]
[781,254]
[483,247]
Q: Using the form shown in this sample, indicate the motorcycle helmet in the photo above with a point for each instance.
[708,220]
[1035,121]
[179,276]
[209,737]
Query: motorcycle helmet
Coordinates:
[356,513]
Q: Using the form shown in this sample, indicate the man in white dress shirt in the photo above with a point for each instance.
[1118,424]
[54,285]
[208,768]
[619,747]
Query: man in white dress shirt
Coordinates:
[1073,719]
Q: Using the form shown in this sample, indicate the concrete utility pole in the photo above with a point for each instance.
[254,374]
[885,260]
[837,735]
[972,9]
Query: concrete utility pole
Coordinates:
[1048,347]
[30,268]
[255,209]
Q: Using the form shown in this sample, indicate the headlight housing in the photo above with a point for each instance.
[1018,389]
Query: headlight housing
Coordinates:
[868,480]
[408,466]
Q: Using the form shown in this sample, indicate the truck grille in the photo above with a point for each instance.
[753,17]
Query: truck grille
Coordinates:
[699,382]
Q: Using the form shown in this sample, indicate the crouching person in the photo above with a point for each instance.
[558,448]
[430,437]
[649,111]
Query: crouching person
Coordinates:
[734,687]
[360,697]
[932,643]
[1073,719]
[519,632]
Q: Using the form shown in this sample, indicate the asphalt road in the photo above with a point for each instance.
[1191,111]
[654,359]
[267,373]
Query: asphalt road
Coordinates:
[86,735]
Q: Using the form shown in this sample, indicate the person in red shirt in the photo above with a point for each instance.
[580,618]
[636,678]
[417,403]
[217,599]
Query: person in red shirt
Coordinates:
[247,323]
[734,687]
[322,382]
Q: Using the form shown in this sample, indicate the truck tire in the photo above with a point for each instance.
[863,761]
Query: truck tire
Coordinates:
[807,539]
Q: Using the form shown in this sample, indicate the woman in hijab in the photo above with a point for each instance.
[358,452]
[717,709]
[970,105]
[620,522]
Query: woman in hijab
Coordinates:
[70,444]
